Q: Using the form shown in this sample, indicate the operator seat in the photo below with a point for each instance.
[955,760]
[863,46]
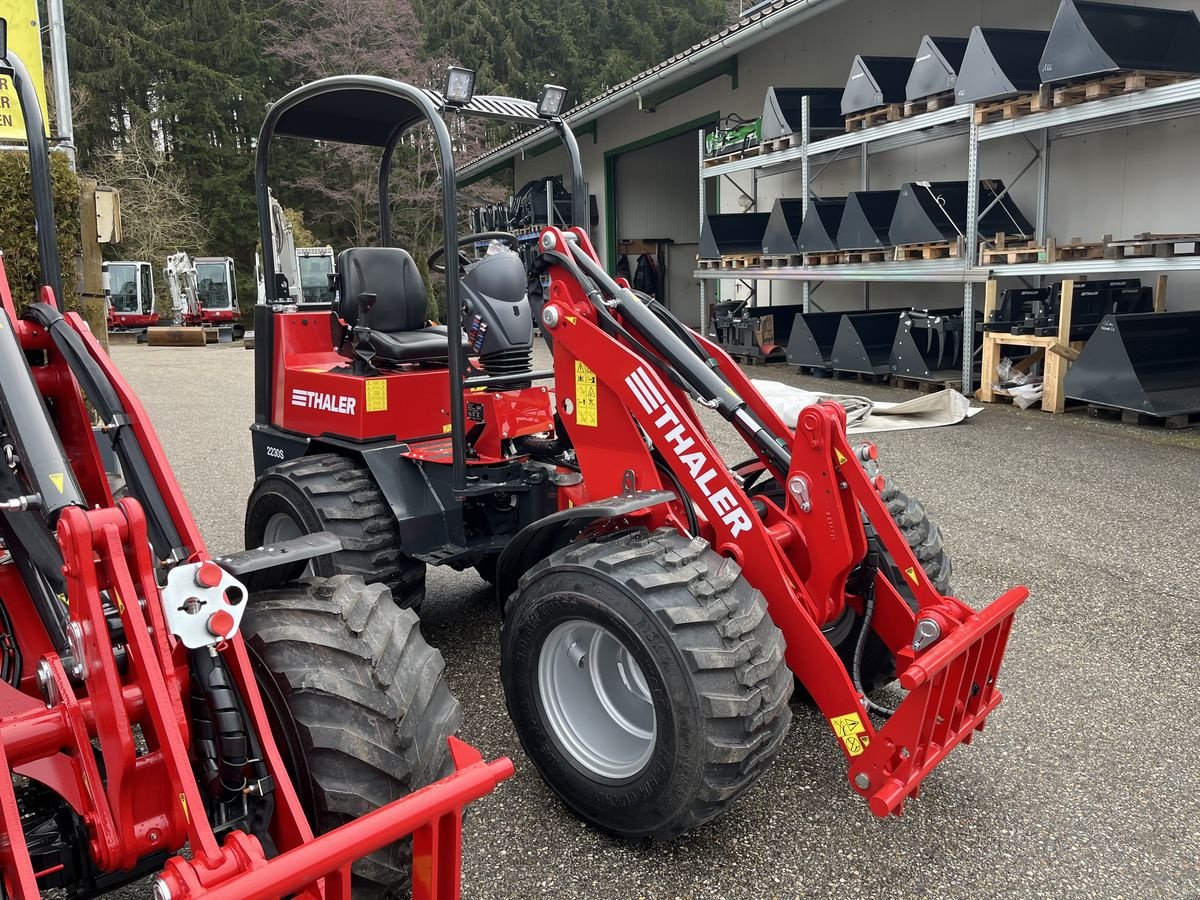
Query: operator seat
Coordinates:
[398,332]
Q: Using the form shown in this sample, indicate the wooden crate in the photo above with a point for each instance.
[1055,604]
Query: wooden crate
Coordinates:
[880,115]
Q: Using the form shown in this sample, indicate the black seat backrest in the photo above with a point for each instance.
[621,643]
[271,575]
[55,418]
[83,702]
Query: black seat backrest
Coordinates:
[391,275]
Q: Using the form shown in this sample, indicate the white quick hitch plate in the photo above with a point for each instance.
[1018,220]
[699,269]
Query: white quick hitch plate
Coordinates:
[203,604]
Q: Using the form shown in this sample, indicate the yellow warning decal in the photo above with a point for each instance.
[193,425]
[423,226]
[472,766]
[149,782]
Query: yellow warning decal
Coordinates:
[120,602]
[840,458]
[446,429]
[377,395]
[912,575]
[183,803]
[585,395]
[570,319]
[851,731]
[56,479]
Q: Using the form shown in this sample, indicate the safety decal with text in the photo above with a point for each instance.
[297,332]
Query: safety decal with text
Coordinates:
[585,395]
[58,480]
[849,729]
[377,395]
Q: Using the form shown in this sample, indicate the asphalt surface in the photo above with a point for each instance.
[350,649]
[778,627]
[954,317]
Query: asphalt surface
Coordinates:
[1084,783]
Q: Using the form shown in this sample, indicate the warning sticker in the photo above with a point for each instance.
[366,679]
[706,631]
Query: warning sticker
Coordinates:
[840,457]
[912,575]
[585,395]
[849,728]
[56,479]
[377,395]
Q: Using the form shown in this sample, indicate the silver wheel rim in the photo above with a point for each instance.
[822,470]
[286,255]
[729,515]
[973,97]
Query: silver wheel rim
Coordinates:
[282,527]
[596,700]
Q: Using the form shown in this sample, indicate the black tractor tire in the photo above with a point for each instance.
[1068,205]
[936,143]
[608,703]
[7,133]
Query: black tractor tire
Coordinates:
[710,662]
[358,703]
[878,666]
[330,492]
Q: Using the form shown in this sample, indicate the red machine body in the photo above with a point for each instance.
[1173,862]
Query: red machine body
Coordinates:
[140,804]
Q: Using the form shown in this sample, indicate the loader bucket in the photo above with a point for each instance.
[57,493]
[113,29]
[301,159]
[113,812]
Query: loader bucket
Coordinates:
[867,220]
[1000,63]
[810,345]
[864,342]
[935,69]
[787,215]
[179,336]
[929,212]
[781,111]
[819,232]
[875,81]
[732,234]
[1147,363]
[928,346]
[1090,39]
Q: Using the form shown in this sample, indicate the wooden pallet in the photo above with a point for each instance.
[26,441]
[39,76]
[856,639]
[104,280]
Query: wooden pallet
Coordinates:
[880,115]
[1113,85]
[781,262]
[821,259]
[1013,107]
[938,250]
[740,261]
[756,359]
[708,263]
[858,257]
[862,377]
[748,153]
[1165,246]
[926,386]
[928,104]
[783,142]
[1130,417]
[1030,252]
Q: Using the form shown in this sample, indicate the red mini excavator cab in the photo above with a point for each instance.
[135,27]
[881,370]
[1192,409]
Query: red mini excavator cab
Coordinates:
[163,712]
[657,602]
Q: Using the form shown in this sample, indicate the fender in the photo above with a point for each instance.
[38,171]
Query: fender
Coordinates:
[541,538]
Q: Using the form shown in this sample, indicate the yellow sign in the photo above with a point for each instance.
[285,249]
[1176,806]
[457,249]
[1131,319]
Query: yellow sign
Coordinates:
[56,478]
[585,395]
[377,395]
[851,731]
[840,456]
[912,575]
[25,39]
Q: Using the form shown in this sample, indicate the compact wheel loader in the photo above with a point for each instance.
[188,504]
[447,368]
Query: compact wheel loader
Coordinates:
[163,712]
[658,603]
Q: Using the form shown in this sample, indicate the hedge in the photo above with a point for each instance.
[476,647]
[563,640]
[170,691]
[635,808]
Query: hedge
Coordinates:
[18,242]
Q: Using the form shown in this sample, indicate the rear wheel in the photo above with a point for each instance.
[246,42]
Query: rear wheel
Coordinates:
[359,706]
[328,492]
[645,679]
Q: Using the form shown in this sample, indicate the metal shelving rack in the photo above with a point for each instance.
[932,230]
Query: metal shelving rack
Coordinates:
[1123,111]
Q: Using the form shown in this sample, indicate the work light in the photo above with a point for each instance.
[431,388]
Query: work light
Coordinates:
[551,100]
[460,85]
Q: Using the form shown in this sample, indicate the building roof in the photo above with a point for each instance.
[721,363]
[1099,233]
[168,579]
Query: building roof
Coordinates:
[757,24]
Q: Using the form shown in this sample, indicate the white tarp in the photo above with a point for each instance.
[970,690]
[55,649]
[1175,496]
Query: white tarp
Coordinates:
[864,415]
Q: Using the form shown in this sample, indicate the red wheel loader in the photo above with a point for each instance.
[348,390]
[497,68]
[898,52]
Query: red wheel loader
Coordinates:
[657,602]
[153,699]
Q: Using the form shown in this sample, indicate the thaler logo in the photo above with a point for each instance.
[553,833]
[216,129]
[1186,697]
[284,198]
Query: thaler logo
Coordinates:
[326,402]
[723,501]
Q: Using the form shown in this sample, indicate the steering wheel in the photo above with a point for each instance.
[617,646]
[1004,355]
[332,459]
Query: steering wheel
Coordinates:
[508,237]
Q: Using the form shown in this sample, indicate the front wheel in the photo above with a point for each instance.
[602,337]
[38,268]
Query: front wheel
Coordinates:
[645,679]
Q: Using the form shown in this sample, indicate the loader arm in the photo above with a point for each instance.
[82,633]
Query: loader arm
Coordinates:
[624,374]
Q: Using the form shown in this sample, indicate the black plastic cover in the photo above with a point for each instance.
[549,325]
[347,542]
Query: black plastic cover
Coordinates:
[819,232]
[867,220]
[810,345]
[781,111]
[935,69]
[1094,38]
[787,216]
[726,234]
[1147,363]
[875,81]
[928,212]
[1000,63]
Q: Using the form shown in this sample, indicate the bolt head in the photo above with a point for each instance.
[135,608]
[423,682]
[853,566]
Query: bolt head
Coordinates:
[550,316]
[862,781]
[548,241]
[161,891]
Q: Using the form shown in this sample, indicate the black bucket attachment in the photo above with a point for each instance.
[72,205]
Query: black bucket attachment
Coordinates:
[935,69]
[1000,63]
[1089,39]
[810,345]
[864,342]
[787,216]
[930,212]
[867,220]
[819,232]
[928,345]
[1147,363]
[757,332]
[875,81]
[781,111]
[732,234]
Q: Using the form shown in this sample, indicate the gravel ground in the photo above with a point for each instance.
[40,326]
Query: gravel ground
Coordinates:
[1083,784]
